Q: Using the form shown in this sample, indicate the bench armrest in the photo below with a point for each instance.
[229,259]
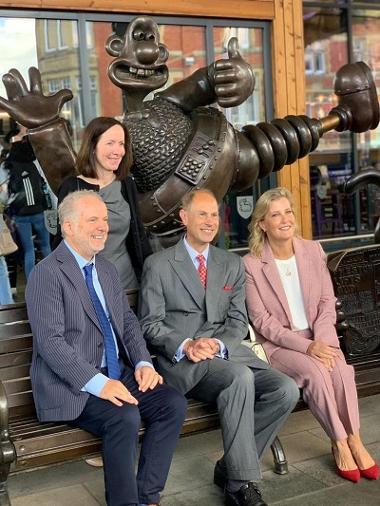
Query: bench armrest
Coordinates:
[7,449]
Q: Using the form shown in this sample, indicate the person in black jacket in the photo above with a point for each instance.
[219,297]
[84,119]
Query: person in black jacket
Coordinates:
[103,164]
[27,198]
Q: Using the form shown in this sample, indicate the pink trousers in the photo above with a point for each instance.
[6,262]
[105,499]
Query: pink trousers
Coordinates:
[331,396]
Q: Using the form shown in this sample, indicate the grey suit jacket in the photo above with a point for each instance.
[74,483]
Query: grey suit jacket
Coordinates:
[67,338]
[173,306]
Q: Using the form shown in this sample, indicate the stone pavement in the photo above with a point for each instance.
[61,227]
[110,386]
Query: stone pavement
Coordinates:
[311,480]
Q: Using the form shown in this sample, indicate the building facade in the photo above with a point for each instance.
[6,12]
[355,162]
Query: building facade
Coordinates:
[295,49]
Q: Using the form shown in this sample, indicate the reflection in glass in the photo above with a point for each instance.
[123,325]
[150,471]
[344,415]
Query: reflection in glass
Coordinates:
[237,208]
[326,51]
[105,97]
[366,47]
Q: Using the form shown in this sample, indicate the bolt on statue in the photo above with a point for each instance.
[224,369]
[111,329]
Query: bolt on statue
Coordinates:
[178,143]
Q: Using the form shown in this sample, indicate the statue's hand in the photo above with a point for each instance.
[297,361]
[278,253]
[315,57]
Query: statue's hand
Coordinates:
[233,78]
[31,107]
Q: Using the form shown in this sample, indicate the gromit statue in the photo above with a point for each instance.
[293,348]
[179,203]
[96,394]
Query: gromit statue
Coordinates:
[179,143]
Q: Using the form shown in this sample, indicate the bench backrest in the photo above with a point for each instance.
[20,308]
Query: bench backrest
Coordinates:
[15,358]
[16,344]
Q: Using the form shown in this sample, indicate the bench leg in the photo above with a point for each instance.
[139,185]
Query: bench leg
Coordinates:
[280,462]
[4,497]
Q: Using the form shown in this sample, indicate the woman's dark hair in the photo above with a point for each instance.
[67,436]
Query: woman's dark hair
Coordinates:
[86,160]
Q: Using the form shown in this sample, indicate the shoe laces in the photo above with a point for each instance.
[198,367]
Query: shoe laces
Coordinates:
[251,491]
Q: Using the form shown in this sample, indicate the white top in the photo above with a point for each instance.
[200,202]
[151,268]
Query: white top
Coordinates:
[290,281]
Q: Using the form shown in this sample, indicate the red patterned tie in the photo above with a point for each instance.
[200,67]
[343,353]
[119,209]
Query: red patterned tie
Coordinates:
[202,269]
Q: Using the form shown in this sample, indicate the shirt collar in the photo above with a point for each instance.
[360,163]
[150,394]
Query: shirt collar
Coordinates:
[193,253]
[82,262]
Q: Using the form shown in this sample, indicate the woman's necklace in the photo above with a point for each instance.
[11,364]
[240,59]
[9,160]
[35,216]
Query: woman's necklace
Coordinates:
[286,266]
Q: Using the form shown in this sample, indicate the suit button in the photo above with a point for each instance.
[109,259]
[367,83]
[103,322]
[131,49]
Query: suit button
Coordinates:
[100,344]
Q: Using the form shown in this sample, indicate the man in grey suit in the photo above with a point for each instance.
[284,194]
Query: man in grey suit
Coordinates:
[90,364]
[195,322]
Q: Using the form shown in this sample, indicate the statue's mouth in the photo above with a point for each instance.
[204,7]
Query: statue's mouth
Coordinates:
[125,71]
[123,74]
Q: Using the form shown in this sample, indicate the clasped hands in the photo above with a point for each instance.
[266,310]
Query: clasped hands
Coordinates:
[324,353]
[116,392]
[202,348]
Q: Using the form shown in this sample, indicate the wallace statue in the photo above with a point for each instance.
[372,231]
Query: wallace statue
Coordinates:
[179,142]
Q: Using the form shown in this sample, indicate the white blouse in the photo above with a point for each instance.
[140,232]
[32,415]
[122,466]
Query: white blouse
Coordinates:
[290,281]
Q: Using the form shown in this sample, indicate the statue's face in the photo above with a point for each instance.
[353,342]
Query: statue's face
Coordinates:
[140,58]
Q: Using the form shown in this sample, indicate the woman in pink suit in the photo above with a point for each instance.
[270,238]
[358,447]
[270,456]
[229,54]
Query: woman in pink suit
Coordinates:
[291,305]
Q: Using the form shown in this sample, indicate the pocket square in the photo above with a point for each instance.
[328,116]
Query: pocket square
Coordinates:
[227,288]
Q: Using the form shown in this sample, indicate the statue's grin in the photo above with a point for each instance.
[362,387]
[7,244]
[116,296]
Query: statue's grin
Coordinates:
[124,70]
[123,73]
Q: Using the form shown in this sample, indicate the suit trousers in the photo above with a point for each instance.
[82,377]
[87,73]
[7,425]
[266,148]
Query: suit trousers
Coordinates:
[163,411]
[252,404]
[331,396]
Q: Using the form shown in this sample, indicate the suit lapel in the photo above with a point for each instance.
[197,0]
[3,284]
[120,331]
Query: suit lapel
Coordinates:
[71,269]
[271,273]
[215,279]
[186,271]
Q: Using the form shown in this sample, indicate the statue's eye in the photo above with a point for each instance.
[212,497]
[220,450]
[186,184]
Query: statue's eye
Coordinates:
[149,36]
[138,35]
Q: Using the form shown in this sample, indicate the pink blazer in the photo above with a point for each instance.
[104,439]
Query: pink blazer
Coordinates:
[268,308]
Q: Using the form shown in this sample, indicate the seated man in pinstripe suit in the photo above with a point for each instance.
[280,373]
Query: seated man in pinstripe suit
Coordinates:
[90,364]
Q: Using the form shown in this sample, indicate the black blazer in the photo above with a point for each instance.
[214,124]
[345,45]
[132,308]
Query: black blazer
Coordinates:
[137,242]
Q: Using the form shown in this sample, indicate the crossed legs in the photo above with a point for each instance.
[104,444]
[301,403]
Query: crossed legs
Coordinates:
[252,404]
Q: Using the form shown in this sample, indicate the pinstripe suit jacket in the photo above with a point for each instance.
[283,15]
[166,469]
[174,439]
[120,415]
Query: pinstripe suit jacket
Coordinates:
[67,339]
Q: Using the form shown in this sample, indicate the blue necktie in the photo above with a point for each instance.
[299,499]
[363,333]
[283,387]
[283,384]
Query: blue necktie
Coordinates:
[109,343]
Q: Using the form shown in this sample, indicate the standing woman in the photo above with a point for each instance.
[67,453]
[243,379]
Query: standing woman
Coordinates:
[291,305]
[103,164]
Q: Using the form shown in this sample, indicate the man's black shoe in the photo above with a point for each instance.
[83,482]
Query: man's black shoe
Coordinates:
[220,476]
[247,495]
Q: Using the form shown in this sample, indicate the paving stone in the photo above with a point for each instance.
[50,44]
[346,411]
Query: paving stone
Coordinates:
[96,489]
[299,422]
[187,474]
[75,495]
[275,487]
[369,405]
[364,493]
[304,445]
[47,478]
[199,444]
[208,495]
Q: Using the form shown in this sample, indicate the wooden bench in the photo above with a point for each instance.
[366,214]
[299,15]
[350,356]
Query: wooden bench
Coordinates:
[26,443]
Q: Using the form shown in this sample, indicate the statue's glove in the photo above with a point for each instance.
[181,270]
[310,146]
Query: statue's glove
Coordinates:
[31,107]
[233,78]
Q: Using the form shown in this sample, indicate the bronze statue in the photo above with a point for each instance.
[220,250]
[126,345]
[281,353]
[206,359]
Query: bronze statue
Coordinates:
[180,144]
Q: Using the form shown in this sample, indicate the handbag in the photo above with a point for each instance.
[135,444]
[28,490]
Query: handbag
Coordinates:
[7,244]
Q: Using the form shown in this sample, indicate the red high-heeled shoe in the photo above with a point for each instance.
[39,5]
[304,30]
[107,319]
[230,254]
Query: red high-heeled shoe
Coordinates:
[351,475]
[371,473]
[348,474]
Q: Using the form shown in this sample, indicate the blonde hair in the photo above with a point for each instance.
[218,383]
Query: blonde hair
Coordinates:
[257,236]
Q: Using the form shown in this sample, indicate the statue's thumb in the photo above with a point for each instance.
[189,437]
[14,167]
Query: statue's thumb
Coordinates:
[233,48]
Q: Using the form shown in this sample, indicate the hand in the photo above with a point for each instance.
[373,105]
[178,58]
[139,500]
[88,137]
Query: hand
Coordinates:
[31,108]
[324,353]
[233,78]
[115,391]
[203,348]
[147,377]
